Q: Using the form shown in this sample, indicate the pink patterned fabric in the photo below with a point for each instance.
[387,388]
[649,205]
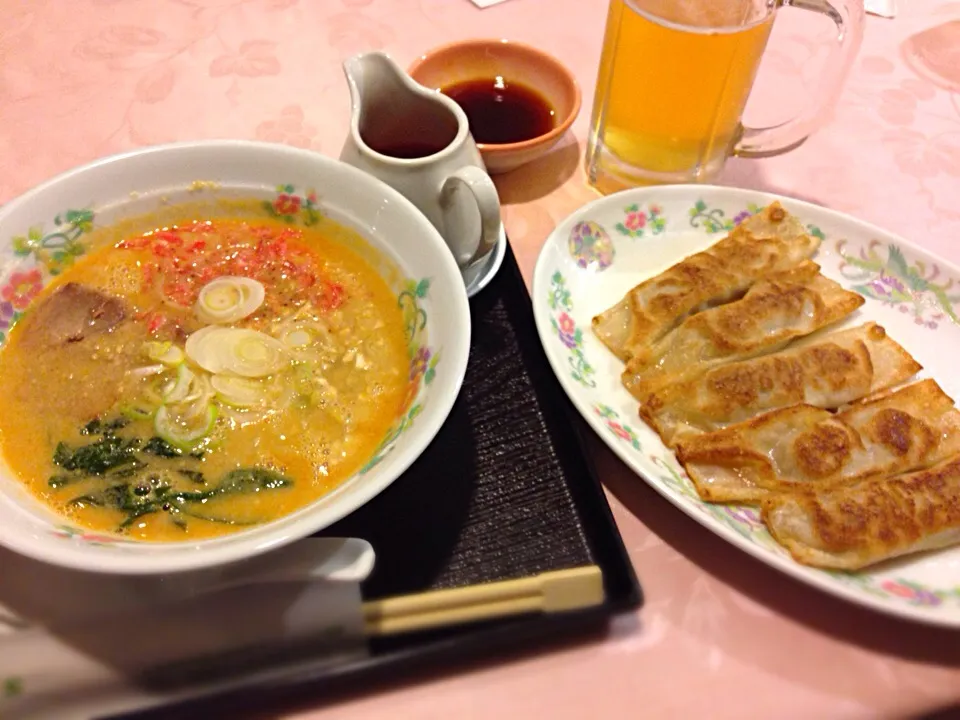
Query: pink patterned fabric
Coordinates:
[721,635]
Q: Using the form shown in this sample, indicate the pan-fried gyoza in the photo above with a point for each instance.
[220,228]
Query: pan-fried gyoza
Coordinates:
[775,311]
[852,526]
[770,241]
[833,370]
[801,445]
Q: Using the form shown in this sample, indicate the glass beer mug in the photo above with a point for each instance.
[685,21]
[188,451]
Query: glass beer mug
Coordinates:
[674,79]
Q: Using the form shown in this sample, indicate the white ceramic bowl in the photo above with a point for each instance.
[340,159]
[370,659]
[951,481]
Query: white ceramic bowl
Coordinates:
[138,182]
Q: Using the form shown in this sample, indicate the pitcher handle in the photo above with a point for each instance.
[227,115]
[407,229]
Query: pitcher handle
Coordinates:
[484,192]
[848,16]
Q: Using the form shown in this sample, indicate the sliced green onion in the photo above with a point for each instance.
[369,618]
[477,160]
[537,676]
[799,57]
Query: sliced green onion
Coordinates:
[251,354]
[147,371]
[228,299]
[137,412]
[181,434]
[177,390]
[240,351]
[199,346]
[200,391]
[202,347]
[239,391]
[296,338]
[164,352]
[196,409]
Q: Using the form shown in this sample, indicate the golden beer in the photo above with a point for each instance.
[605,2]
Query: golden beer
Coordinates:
[673,82]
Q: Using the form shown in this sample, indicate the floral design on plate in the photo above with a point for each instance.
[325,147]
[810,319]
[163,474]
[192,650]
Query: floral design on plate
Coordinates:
[58,249]
[714,220]
[746,521]
[909,591]
[291,207]
[637,222]
[423,365]
[567,331]
[591,246]
[611,419]
[894,282]
[914,592]
[674,479]
[743,519]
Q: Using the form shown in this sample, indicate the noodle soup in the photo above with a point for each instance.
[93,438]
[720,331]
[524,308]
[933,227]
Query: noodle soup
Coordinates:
[202,378]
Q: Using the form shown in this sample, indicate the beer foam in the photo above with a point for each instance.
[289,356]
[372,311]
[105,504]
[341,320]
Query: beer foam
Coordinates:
[705,14]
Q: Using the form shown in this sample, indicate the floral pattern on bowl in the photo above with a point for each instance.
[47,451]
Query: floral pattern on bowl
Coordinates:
[909,292]
[423,366]
[56,250]
[293,208]
[68,532]
[38,256]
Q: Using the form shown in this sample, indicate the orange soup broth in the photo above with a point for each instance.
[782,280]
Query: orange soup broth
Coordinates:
[48,399]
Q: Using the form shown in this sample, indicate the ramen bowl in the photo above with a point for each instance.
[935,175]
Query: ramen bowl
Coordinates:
[49,232]
[496,60]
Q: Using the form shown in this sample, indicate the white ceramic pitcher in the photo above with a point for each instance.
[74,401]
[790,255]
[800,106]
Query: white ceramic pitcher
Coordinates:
[418,141]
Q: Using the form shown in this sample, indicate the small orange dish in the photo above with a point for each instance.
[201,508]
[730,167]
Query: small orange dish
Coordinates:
[519,100]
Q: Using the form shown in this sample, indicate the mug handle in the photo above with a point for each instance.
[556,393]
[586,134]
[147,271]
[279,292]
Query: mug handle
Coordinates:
[488,203]
[848,16]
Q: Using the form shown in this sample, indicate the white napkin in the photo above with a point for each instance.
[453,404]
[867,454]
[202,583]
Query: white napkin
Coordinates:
[486,3]
[76,645]
[883,8]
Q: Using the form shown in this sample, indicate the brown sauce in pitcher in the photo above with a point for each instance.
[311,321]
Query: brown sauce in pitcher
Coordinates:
[500,112]
[408,150]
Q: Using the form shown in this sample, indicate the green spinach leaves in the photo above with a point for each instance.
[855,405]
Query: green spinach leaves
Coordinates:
[136,486]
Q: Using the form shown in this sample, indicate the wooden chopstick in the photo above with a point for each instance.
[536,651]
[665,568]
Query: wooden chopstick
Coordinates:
[554,591]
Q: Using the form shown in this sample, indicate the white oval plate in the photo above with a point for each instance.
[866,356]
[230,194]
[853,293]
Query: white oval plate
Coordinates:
[601,251]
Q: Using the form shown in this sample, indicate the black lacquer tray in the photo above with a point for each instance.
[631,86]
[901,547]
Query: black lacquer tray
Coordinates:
[504,491]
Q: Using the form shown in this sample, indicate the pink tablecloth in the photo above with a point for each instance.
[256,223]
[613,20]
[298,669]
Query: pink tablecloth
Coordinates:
[720,634]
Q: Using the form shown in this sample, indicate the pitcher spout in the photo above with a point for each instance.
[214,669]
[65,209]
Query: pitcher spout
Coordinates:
[369,73]
[390,110]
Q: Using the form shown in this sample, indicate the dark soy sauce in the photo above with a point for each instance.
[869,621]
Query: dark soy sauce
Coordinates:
[501,112]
